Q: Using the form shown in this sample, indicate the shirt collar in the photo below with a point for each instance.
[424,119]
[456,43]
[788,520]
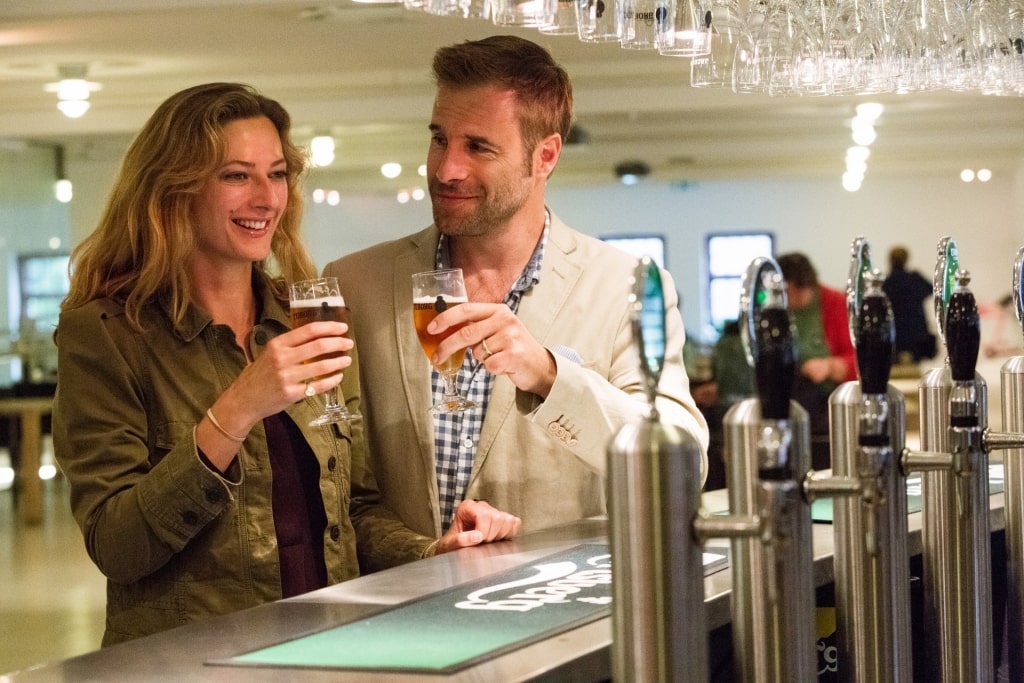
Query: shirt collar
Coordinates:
[531,273]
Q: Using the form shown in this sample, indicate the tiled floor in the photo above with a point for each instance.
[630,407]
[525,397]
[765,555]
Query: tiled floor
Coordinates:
[51,595]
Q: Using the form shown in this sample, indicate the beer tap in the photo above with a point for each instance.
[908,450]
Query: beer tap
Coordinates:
[1011,377]
[872,578]
[658,619]
[769,526]
[955,508]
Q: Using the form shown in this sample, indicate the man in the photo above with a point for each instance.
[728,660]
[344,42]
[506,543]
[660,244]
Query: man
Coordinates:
[551,361]
[826,356]
[907,291]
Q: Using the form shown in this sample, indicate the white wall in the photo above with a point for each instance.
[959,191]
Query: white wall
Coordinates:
[817,217]
[30,217]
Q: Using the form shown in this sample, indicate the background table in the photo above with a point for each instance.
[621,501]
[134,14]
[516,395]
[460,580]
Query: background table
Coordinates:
[31,410]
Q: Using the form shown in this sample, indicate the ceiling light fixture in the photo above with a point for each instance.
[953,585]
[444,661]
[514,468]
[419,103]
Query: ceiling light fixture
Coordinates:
[631,172]
[62,188]
[321,150]
[72,90]
[983,175]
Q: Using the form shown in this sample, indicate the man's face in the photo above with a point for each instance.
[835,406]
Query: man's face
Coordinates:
[799,297]
[478,171]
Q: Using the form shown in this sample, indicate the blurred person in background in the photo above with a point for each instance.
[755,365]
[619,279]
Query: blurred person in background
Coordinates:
[825,353]
[907,291]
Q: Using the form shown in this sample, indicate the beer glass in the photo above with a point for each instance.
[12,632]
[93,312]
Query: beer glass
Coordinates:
[320,299]
[434,292]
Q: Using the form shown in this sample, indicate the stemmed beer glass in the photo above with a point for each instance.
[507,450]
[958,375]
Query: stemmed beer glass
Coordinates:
[433,292]
[311,301]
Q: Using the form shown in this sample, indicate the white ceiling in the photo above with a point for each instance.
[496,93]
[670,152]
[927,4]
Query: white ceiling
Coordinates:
[361,72]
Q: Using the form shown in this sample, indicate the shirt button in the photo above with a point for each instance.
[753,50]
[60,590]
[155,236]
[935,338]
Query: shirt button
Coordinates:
[261,337]
[332,463]
[335,533]
[467,443]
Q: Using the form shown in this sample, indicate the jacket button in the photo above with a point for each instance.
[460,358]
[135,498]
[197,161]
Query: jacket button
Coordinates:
[332,463]
[189,517]
[261,337]
[214,495]
[335,533]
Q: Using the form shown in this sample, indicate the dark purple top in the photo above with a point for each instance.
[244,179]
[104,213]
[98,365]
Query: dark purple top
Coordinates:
[299,517]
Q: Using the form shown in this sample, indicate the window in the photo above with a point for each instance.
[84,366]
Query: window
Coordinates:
[640,245]
[728,257]
[42,284]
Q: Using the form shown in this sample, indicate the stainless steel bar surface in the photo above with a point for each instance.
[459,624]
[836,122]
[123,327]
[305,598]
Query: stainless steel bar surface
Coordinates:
[582,654]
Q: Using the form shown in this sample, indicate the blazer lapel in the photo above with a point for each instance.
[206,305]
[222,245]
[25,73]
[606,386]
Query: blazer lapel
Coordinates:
[539,311]
[412,360]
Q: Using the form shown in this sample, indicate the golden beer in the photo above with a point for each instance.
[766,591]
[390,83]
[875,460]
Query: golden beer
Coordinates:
[332,308]
[423,311]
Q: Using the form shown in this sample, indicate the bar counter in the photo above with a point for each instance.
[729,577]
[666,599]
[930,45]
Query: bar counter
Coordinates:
[580,654]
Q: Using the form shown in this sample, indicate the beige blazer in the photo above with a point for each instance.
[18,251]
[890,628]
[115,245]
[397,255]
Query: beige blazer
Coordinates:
[541,460]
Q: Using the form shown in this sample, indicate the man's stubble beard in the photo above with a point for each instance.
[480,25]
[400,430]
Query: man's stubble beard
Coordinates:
[492,211]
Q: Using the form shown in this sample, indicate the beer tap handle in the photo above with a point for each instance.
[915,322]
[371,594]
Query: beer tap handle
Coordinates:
[860,264]
[1018,286]
[963,330]
[647,304]
[871,320]
[768,337]
[944,282]
[876,335]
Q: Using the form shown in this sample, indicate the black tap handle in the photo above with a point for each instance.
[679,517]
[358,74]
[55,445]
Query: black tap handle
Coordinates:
[963,330]
[774,357]
[876,335]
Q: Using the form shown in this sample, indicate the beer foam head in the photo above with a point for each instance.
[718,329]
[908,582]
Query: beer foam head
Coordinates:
[333,300]
[447,299]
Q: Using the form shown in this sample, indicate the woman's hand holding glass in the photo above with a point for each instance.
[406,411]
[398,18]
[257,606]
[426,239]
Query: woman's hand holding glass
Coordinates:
[320,300]
[277,379]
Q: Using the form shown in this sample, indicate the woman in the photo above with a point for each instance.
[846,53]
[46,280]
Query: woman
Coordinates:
[183,401]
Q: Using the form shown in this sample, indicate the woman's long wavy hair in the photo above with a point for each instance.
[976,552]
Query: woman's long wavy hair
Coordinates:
[146,234]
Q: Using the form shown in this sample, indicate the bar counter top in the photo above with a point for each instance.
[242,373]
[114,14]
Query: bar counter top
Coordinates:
[580,654]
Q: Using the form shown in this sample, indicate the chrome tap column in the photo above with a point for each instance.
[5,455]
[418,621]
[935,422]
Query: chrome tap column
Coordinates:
[1011,378]
[767,445]
[659,626]
[955,521]
[867,425]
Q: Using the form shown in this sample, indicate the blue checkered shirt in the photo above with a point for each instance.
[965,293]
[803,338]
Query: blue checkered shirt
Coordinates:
[456,434]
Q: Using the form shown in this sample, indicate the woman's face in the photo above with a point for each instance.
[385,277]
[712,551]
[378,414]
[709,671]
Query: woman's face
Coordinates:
[239,207]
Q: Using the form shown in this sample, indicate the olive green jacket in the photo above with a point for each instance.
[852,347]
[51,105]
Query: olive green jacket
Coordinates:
[176,540]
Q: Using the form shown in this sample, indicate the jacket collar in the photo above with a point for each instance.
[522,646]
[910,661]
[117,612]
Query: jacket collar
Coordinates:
[273,312]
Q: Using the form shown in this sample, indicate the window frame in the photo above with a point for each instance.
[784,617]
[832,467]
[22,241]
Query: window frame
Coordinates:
[29,290]
[734,280]
[623,240]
